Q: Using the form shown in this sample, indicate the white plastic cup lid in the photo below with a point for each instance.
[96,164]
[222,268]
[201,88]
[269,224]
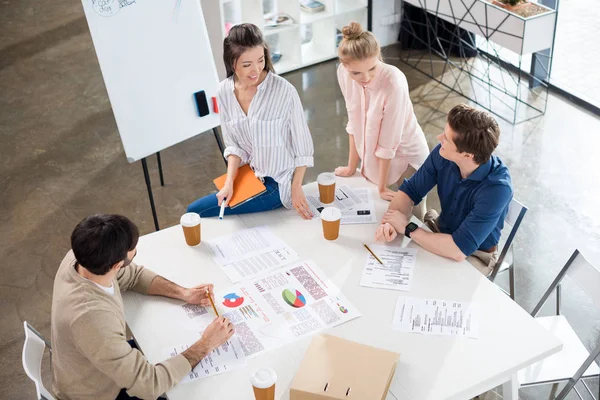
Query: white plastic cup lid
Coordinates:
[326,178]
[331,214]
[190,219]
[264,378]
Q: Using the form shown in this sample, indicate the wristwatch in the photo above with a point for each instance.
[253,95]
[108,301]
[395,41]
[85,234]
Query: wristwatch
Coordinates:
[410,228]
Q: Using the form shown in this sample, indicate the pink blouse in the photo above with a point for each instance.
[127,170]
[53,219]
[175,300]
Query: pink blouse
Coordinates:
[382,120]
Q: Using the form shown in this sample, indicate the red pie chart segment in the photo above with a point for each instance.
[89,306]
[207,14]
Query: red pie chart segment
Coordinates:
[293,298]
[232,300]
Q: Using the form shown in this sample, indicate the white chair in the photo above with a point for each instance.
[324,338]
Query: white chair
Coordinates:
[573,363]
[513,219]
[33,351]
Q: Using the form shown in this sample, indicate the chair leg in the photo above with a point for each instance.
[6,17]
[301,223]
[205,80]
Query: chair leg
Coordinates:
[571,383]
[511,278]
[553,391]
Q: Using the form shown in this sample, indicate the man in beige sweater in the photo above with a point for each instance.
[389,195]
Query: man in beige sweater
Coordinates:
[91,358]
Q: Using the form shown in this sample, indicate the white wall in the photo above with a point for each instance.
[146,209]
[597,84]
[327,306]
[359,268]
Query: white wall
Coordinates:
[386,20]
[214,24]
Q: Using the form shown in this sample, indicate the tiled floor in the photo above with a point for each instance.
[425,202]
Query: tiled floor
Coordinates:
[61,159]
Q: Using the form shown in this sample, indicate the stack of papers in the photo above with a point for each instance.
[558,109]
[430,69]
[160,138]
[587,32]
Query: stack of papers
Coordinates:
[356,205]
[436,317]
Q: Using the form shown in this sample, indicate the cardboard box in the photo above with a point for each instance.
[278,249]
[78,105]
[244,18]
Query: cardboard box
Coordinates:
[335,368]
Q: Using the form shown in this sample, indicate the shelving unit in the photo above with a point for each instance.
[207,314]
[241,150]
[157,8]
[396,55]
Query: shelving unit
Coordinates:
[312,37]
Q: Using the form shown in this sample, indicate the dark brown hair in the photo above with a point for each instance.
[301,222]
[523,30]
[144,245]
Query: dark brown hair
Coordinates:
[477,132]
[358,44]
[100,241]
[241,38]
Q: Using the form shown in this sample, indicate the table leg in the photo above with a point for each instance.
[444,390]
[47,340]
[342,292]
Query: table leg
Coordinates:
[510,390]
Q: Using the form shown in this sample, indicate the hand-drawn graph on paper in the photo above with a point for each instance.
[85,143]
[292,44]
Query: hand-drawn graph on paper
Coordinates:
[108,8]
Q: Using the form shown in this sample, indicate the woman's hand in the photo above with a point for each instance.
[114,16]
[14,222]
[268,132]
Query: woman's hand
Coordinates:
[386,194]
[225,193]
[344,171]
[299,202]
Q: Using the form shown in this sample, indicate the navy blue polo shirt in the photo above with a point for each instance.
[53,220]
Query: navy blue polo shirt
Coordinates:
[473,209]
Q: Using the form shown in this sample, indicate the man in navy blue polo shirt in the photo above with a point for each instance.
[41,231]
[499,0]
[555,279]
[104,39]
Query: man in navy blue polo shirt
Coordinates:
[474,187]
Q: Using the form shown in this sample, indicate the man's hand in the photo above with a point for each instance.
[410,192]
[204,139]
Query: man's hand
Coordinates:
[386,194]
[396,219]
[386,233]
[299,202]
[198,295]
[217,333]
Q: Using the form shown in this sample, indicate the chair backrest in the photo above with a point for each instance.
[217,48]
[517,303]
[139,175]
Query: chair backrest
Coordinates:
[582,272]
[587,277]
[33,352]
[513,219]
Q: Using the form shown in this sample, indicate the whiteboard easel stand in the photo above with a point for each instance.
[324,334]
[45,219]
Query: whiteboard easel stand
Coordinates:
[162,181]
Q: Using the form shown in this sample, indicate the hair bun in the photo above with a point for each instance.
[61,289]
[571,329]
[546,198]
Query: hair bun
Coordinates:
[352,31]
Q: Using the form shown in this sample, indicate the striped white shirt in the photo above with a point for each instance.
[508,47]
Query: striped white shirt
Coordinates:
[273,138]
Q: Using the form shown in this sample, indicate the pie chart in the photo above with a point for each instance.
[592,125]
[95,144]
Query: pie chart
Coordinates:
[293,298]
[232,300]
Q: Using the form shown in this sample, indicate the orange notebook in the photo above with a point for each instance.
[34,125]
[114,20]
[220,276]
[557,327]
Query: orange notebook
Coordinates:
[245,187]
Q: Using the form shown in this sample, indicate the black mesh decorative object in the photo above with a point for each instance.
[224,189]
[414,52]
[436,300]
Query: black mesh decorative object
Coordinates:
[477,50]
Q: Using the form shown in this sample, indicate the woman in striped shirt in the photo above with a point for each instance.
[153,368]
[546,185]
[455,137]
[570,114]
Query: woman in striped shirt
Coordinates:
[263,125]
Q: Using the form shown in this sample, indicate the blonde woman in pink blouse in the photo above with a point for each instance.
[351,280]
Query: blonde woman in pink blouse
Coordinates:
[383,129]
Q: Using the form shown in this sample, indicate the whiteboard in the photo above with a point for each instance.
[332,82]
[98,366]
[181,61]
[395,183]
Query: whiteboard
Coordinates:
[154,55]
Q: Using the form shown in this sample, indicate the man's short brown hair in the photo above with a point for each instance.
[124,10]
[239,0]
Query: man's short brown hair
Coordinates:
[477,132]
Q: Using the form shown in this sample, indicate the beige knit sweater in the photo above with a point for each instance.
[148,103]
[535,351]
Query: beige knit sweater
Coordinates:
[91,358]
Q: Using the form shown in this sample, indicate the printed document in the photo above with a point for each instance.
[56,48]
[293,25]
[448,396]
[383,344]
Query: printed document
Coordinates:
[250,252]
[356,205]
[397,269]
[283,306]
[227,357]
[436,317]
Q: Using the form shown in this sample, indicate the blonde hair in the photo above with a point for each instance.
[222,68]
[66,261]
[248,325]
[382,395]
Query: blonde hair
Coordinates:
[358,44]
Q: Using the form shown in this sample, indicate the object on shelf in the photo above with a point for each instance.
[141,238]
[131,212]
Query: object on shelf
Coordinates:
[228,26]
[276,20]
[522,8]
[312,6]
[338,37]
[275,57]
[504,87]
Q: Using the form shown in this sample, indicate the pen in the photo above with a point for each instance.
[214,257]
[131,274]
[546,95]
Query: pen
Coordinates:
[212,303]
[222,209]
[373,254]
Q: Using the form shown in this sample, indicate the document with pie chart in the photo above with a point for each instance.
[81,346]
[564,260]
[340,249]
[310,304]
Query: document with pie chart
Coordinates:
[282,306]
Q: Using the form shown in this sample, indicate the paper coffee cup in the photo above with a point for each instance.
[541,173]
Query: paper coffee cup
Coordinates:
[190,222]
[263,384]
[326,182]
[330,218]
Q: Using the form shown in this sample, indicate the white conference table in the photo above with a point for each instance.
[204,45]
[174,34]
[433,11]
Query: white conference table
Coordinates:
[429,368]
